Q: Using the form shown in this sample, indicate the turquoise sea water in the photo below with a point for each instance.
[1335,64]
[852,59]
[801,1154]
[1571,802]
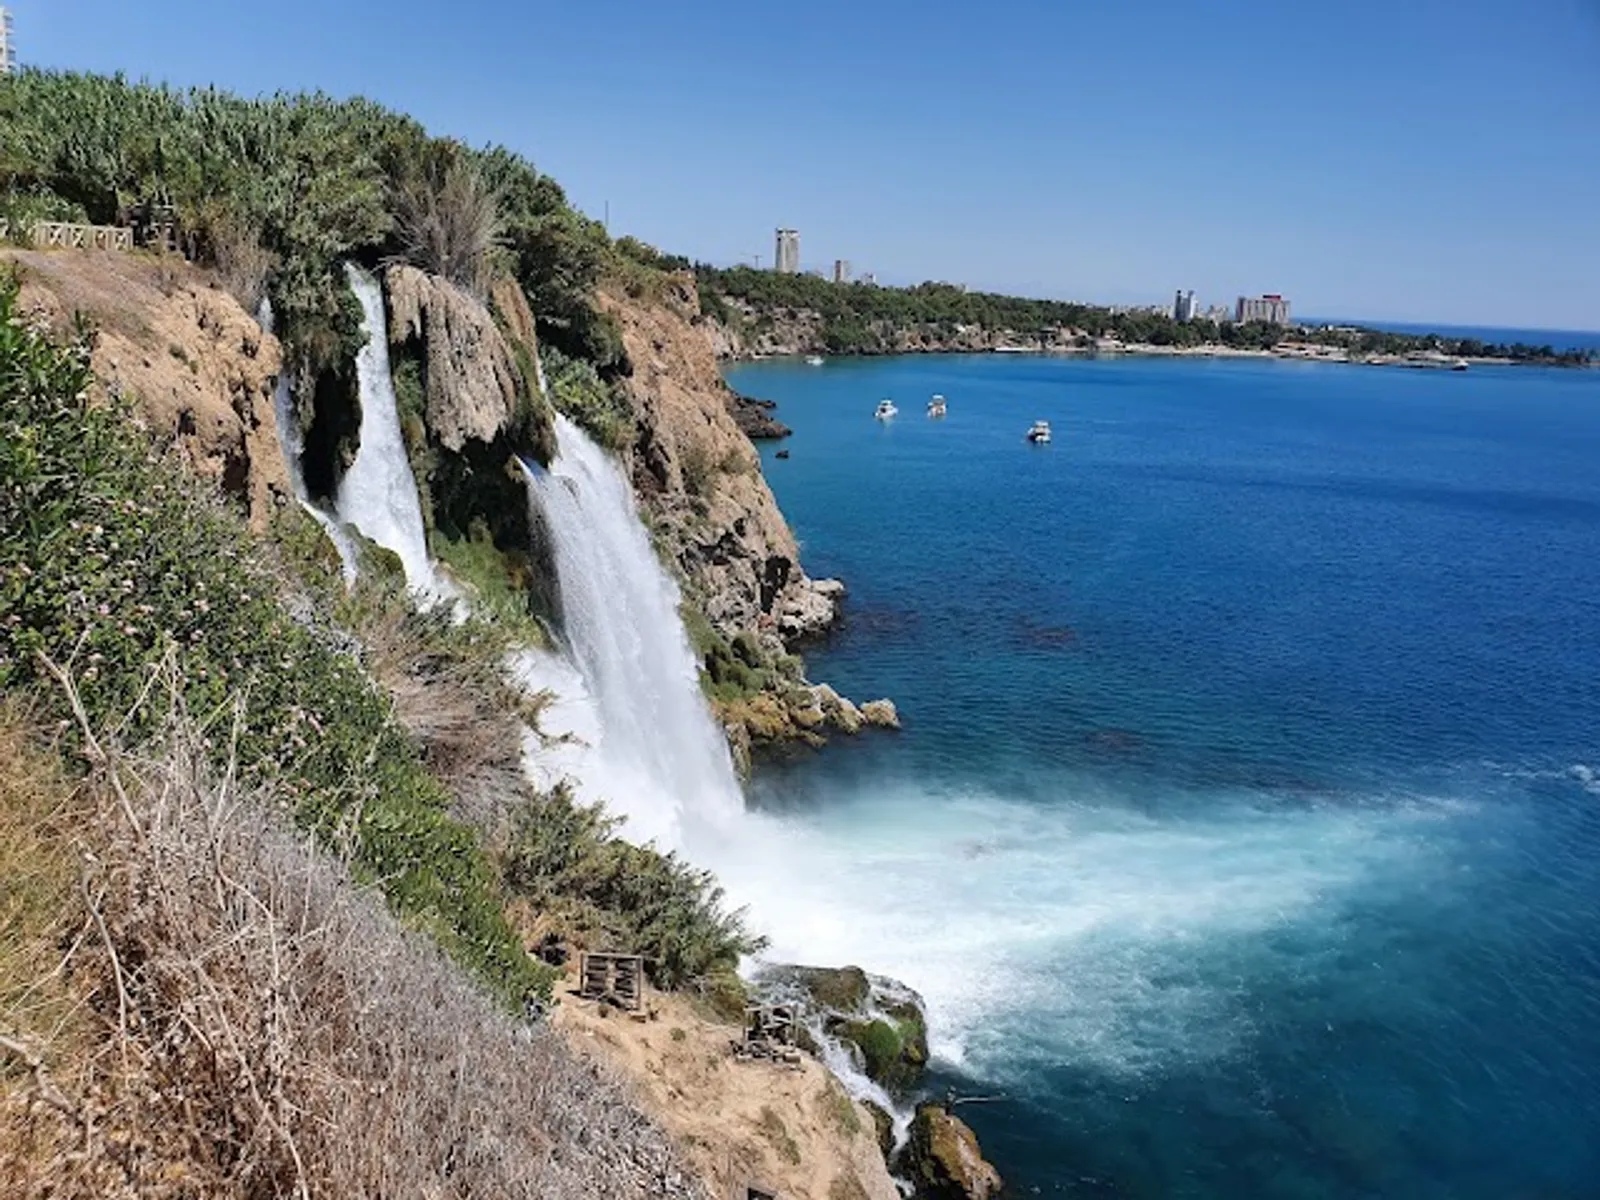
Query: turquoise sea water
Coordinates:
[1244,832]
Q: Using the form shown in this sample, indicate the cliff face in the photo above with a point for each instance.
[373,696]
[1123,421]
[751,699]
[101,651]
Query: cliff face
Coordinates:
[699,479]
[198,370]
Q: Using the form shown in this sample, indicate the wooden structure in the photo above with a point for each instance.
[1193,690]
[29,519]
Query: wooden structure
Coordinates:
[615,978]
[68,235]
[769,1031]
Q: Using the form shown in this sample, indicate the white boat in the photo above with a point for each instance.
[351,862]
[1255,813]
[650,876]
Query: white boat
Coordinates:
[936,407]
[814,360]
[1039,434]
[886,409]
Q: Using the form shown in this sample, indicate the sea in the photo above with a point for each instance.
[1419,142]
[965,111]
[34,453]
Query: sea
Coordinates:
[1243,835]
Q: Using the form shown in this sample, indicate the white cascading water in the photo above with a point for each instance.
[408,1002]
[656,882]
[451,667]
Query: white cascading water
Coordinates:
[654,754]
[378,494]
[293,448]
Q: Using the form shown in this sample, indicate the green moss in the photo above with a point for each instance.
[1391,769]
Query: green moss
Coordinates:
[500,582]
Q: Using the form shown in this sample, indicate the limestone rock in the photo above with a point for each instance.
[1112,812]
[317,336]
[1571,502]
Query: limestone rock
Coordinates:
[944,1160]
[881,713]
[838,711]
[196,368]
[472,379]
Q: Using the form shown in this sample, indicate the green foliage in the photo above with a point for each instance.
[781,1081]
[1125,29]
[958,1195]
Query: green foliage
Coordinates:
[565,858]
[499,583]
[113,564]
[577,390]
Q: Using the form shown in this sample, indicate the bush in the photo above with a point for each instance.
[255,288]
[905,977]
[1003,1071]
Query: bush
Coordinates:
[578,391]
[565,858]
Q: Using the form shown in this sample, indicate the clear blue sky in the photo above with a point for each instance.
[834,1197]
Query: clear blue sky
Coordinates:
[1429,160]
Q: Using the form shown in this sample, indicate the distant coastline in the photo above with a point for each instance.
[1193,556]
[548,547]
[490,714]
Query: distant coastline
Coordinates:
[763,314]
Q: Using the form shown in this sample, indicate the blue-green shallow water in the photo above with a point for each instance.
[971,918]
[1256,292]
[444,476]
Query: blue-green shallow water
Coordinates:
[1245,827]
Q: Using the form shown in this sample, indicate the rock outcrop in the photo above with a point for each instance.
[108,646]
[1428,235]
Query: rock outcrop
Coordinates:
[881,1020]
[943,1160]
[197,369]
[754,418]
[471,377]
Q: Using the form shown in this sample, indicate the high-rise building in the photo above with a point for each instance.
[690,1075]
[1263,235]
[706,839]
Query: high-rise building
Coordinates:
[1271,308]
[841,270]
[786,259]
[1183,307]
[8,48]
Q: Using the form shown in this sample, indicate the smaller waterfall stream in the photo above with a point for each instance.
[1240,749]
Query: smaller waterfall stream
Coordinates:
[378,494]
[291,444]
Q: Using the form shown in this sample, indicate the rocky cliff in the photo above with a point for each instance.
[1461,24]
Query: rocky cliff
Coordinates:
[197,369]
[700,487]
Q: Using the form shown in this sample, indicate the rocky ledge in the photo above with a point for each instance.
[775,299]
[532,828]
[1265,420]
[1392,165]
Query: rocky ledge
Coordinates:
[754,418]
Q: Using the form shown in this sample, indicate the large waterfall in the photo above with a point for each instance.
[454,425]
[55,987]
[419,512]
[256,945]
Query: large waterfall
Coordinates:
[291,443]
[378,494]
[656,757]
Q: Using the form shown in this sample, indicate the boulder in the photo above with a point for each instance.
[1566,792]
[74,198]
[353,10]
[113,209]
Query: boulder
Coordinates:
[882,1019]
[839,712]
[944,1161]
[881,713]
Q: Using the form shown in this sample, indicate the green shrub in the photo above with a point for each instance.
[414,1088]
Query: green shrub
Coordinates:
[578,391]
[565,857]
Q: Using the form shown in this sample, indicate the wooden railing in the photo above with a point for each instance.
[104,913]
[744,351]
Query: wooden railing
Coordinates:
[67,235]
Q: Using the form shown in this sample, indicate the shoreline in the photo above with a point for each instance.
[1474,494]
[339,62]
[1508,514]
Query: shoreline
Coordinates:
[1306,353]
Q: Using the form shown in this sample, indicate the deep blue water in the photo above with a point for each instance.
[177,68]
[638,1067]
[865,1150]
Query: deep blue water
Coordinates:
[1244,831]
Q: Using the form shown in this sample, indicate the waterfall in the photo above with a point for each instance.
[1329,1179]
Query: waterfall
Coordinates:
[378,494]
[292,447]
[655,755]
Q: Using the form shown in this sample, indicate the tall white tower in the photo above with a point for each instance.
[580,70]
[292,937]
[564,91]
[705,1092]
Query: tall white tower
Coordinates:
[786,257]
[8,49]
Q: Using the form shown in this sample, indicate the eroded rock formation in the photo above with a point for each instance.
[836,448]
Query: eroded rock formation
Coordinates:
[196,367]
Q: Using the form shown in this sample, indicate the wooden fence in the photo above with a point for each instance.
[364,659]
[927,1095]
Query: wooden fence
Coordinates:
[66,235]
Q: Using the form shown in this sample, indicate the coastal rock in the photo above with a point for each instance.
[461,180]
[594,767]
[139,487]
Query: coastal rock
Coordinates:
[944,1161]
[198,371]
[810,609]
[881,713]
[471,377]
[839,712]
[754,418]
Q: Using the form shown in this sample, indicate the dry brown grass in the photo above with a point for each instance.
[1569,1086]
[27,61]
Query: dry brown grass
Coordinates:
[262,1027]
[459,710]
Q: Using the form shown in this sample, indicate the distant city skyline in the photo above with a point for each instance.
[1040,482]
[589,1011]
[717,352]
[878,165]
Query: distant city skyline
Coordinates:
[1419,163]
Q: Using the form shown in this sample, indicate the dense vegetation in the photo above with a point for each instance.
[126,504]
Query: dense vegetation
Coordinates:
[859,318]
[276,192]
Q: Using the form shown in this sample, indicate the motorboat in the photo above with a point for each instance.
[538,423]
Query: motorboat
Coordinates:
[1039,434]
[936,407]
[886,409]
[814,360]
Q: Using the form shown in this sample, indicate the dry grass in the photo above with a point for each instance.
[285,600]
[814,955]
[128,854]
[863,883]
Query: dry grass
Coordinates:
[262,1027]
[460,712]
